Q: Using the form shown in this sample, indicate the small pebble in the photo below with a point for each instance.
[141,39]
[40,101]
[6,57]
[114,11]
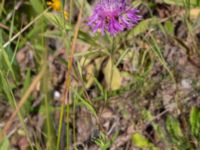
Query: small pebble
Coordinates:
[56,95]
[186,83]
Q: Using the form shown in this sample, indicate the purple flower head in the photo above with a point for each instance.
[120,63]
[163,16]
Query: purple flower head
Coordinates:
[113,16]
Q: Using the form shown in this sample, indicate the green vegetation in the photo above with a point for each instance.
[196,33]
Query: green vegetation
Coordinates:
[64,87]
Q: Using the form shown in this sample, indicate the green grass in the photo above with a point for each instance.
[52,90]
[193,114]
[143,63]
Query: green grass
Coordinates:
[134,66]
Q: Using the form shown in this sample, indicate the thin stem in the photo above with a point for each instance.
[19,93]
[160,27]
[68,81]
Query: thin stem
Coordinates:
[111,57]
[60,126]
[71,10]
[68,106]
[67,130]
[25,28]
[22,101]
[50,144]
[65,98]
[74,121]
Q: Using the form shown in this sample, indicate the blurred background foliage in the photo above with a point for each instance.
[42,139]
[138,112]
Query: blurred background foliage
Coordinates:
[138,90]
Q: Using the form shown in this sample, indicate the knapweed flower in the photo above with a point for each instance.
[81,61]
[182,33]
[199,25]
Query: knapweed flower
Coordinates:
[113,16]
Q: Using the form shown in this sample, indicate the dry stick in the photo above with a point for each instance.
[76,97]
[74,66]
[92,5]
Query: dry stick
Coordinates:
[68,77]
[32,86]
[22,101]
[65,97]
[35,81]
[4,26]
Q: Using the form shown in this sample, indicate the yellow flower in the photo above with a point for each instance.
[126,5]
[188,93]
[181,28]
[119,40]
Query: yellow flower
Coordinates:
[55,4]
[66,15]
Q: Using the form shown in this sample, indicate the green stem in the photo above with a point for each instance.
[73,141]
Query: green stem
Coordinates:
[46,102]
[65,99]
[60,126]
[74,121]
[112,63]
[25,28]
[71,11]
[67,130]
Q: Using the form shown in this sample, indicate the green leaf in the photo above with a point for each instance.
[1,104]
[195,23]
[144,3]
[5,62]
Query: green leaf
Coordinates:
[87,104]
[112,76]
[27,81]
[57,20]
[143,26]
[6,87]
[4,144]
[169,26]
[87,38]
[141,142]
[195,122]
[37,5]
[7,62]
[175,134]
[174,129]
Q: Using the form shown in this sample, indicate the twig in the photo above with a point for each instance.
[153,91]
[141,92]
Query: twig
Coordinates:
[65,98]
[4,26]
